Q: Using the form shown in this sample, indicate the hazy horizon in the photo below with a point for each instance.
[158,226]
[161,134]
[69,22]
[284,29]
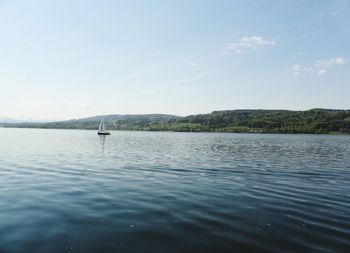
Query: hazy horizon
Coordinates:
[65,60]
[27,119]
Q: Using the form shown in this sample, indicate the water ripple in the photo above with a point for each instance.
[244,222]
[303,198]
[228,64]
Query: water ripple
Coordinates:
[71,191]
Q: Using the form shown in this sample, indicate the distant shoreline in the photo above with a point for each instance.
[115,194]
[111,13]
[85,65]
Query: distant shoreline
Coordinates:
[314,121]
[170,131]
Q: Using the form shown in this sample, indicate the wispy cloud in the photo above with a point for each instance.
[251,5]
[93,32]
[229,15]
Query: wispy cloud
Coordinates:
[248,43]
[134,75]
[194,65]
[78,104]
[320,67]
[296,69]
[36,104]
[176,86]
[328,14]
[91,44]
[52,104]
[73,53]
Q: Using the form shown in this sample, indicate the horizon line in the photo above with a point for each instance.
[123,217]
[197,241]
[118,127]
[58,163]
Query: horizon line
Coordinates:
[21,119]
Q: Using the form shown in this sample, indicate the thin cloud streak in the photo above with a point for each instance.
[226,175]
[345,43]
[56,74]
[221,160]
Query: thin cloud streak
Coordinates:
[175,86]
[296,69]
[248,43]
[320,67]
[323,65]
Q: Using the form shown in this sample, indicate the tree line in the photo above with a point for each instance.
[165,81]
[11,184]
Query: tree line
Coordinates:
[238,121]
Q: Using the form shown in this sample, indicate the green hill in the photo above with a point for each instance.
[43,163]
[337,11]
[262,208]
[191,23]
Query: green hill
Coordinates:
[254,121]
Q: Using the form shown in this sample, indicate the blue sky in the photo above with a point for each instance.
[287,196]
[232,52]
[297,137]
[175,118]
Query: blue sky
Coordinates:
[70,59]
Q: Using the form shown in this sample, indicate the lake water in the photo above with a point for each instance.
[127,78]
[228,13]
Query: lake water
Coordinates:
[73,191]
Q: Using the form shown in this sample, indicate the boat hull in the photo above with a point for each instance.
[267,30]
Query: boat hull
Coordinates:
[103,133]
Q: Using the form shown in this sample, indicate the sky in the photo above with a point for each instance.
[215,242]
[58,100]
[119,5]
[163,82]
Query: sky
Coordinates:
[68,59]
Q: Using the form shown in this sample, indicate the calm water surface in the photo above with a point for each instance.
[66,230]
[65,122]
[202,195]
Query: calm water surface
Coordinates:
[73,191]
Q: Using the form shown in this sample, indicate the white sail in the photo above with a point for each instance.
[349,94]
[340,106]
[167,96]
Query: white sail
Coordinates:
[102,127]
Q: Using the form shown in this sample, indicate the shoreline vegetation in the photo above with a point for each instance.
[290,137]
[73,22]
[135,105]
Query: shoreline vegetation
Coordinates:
[314,121]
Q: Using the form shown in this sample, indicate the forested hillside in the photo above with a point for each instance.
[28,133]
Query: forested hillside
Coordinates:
[254,121]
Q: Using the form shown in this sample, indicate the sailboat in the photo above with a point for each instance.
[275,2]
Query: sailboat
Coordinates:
[102,128]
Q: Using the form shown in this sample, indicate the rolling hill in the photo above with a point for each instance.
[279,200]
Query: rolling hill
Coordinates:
[251,121]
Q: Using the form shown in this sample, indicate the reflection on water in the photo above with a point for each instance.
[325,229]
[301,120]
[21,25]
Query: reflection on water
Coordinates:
[102,141]
[74,191]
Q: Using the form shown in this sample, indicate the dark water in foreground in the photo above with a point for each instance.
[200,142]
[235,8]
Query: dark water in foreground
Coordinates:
[71,191]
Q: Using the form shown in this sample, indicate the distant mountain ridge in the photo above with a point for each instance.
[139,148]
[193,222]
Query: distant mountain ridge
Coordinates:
[242,120]
[121,117]
[10,120]
[113,122]
[18,120]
